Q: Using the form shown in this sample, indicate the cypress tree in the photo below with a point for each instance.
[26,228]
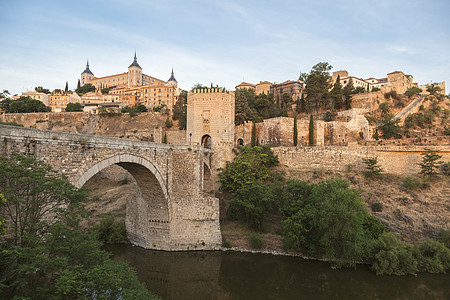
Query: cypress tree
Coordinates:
[66,89]
[165,138]
[78,84]
[295,132]
[253,142]
[311,130]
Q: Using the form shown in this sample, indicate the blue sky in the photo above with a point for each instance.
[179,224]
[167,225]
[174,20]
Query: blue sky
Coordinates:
[225,42]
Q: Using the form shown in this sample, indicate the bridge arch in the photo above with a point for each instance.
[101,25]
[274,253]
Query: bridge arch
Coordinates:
[148,215]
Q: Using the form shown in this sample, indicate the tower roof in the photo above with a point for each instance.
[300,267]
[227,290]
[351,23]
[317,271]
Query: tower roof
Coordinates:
[135,63]
[172,77]
[87,69]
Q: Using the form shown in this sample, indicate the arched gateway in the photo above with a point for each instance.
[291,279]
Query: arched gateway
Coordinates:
[175,211]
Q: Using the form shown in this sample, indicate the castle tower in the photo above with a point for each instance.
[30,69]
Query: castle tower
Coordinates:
[172,81]
[210,122]
[134,73]
[87,75]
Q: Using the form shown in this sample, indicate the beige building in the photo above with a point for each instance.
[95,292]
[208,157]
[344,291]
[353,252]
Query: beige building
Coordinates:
[263,87]
[245,85]
[133,88]
[59,100]
[395,81]
[134,77]
[36,96]
[292,88]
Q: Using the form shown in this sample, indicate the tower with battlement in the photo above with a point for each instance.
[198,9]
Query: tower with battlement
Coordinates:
[210,122]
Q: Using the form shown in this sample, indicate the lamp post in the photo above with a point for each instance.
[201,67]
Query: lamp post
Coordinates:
[190,138]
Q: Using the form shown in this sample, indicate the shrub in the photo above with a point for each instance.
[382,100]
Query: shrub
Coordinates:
[252,164]
[226,244]
[376,207]
[109,231]
[388,255]
[444,237]
[413,91]
[256,241]
[411,183]
[124,181]
[432,257]
[384,107]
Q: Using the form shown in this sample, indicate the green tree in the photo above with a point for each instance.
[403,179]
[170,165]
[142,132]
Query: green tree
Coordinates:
[40,89]
[433,89]
[295,132]
[88,87]
[23,105]
[429,162]
[389,126]
[73,107]
[317,84]
[301,104]
[105,90]
[180,110]
[78,85]
[165,138]
[373,169]
[337,95]
[46,255]
[252,164]
[348,91]
[66,88]
[414,90]
[329,221]
[311,130]
[253,140]
[384,107]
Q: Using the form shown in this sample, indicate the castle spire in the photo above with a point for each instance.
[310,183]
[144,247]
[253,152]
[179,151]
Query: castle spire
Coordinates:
[135,63]
[172,78]
[87,70]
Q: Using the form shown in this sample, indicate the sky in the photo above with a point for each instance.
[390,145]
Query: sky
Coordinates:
[46,43]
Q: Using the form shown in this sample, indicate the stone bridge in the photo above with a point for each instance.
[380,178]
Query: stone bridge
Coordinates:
[175,211]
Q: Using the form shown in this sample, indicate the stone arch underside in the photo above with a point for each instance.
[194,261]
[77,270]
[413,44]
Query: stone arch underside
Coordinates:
[147,217]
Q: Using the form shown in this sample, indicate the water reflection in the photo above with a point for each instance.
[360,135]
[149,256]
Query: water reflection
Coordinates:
[230,275]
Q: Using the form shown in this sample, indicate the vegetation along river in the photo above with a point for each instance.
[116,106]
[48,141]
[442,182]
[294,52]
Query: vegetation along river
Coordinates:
[234,275]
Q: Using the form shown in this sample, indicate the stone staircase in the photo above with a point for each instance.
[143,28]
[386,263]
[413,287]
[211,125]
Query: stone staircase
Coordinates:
[405,111]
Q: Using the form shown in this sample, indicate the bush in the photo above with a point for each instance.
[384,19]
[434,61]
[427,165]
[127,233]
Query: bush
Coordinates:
[432,257]
[124,181]
[252,164]
[250,204]
[109,231]
[444,237]
[328,221]
[411,183]
[413,91]
[226,244]
[256,241]
[388,255]
[376,207]
[384,107]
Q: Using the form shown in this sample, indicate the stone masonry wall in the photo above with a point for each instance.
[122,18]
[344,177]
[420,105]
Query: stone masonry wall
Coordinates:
[393,160]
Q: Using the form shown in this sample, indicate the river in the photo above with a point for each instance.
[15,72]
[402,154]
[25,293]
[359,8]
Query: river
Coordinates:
[232,275]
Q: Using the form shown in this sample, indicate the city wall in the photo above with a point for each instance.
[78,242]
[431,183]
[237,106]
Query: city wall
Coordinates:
[394,160]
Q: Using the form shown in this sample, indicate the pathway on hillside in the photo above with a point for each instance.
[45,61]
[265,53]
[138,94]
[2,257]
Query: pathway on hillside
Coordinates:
[408,108]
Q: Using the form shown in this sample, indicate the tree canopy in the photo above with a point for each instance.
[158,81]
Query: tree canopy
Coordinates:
[88,87]
[23,105]
[43,253]
[73,107]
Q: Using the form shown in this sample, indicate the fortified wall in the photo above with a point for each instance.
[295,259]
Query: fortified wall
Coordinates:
[393,159]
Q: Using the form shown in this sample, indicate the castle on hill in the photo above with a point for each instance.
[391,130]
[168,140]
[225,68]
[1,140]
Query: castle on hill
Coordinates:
[132,87]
